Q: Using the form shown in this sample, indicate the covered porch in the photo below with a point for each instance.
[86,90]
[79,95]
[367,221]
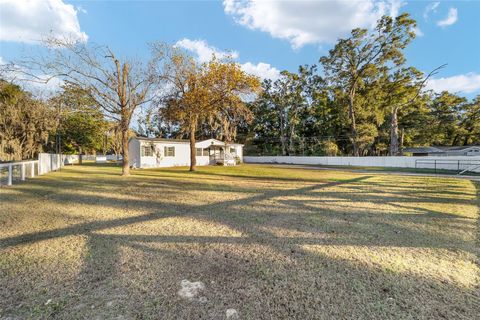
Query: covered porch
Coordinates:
[219,152]
[221,155]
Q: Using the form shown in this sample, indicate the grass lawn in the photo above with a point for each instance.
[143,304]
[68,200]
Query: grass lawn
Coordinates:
[270,242]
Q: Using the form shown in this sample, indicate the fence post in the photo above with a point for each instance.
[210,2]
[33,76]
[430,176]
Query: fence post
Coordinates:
[10,174]
[22,172]
[32,171]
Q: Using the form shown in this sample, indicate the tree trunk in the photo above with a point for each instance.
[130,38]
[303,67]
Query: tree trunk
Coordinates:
[402,136]
[455,140]
[193,158]
[353,123]
[125,164]
[291,146]
[282,133]
[394,132]
[80,159]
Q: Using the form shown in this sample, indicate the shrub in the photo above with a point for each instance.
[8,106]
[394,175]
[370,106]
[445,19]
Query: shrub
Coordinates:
[330,148]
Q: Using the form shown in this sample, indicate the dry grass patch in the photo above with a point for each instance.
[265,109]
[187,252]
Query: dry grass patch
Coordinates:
[269,242]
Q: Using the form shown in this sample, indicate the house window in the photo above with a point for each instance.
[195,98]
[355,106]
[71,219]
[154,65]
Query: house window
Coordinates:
[201,152]
[206,152]
[147,151]
[232,150]
[169,151]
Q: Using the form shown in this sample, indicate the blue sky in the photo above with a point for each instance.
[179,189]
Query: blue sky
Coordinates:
[265,36]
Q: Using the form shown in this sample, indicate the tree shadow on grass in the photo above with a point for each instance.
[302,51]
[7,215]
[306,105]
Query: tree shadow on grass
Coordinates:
[260,273]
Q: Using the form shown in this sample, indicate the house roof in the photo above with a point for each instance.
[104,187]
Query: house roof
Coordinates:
[162,140]
[213,141]
[458,148]
[216,142]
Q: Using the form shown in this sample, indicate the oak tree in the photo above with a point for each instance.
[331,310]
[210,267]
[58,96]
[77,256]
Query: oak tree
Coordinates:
[214,92]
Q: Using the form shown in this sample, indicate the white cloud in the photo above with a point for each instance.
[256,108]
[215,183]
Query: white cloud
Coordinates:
[204,53]
[33,20]
[418,32]
[431,7]
[37,85]
[451,18]
[463,83]
[261,70]
[82,10]
[48,88]
[309,22]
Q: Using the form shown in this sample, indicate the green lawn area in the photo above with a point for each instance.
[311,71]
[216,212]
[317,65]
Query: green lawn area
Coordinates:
[270,242]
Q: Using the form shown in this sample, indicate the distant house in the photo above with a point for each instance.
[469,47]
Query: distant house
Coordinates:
[444,151]
[158,152]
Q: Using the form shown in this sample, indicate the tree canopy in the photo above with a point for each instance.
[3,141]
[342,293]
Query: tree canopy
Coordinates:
[214,92]
[362,98]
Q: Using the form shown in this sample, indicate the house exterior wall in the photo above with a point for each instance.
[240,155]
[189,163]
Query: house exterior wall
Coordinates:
[159,159]
[182,153]
[473,152]
[239,151]
[134,153]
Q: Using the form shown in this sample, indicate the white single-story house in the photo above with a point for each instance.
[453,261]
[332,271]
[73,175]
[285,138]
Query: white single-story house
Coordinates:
[158,152]
[444,151]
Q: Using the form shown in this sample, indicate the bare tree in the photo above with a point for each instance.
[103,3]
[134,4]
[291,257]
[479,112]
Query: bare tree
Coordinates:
[118,85]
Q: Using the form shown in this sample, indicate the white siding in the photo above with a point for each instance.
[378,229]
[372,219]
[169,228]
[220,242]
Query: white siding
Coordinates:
[239,151]
[134,153]
[182,153]
[181,158]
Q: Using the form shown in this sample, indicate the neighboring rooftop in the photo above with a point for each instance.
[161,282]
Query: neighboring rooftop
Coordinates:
[422,149]
[458,147]
[439,149]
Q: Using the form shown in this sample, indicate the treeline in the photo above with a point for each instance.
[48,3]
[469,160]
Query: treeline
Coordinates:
[69,122]
[300,114]
[360,99]
[365,101]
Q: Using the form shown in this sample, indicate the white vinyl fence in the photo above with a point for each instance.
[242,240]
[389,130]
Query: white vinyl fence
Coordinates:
[19,171]
[15,171]
[460,163]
